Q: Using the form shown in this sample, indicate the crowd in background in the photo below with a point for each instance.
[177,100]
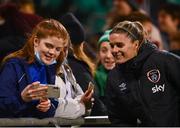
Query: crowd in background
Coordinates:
[89,24]
[97,16]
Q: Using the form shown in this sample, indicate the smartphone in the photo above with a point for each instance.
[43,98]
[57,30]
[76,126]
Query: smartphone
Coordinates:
[91,86]
[53,91]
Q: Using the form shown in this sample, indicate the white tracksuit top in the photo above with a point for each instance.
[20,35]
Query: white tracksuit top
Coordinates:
[69,101]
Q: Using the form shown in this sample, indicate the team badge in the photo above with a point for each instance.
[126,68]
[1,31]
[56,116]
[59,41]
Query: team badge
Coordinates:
[153,75]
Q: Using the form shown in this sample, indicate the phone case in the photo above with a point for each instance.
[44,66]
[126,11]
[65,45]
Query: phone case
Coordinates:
[53,92]
[90,86]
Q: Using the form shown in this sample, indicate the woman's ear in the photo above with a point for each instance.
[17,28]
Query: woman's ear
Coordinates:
[136,44]
[36,42]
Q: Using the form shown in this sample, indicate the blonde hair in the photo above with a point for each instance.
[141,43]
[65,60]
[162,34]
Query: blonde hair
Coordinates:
[80,55]
[134,30]
[45,28]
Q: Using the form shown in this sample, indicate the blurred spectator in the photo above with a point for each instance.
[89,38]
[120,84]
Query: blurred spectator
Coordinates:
[90,50]
[153,33]
[82,67]
[124,7]
[53,8]
[175,43]
[14,28]
[168,18]
[106,63]
[92,13]
[120,8]
[77,35]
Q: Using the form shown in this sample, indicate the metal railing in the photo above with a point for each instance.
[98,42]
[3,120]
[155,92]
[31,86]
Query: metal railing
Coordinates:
[86,121]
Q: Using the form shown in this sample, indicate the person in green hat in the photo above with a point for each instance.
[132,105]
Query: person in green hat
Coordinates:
[106,63]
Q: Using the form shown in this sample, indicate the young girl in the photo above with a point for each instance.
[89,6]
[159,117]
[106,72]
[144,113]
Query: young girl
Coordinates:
[23,71]
[106,63]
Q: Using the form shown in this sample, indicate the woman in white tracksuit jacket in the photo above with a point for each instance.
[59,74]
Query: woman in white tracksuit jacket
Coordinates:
[73,102]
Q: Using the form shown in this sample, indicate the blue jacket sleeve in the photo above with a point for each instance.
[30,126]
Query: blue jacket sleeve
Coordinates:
[13,79]
[10,95]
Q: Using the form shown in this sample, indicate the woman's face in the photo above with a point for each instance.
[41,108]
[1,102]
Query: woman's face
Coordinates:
[105,56]
[122,47]
[49,48]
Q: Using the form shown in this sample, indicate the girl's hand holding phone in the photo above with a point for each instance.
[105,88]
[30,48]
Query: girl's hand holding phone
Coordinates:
[87,97]
[34,92]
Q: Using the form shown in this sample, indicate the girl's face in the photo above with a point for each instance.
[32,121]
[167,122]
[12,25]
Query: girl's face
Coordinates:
[123,48]
[105,56]
[49,48]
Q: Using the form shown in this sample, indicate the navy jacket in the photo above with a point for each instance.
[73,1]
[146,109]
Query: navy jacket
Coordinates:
[14,77]
[145,88]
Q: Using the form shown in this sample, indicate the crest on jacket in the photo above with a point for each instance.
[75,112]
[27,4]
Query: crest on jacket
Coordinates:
[153,75]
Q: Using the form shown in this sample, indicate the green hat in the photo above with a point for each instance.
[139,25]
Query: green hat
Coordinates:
[104,37]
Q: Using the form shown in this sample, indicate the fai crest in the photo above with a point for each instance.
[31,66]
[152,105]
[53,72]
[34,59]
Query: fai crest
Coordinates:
[153,75]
